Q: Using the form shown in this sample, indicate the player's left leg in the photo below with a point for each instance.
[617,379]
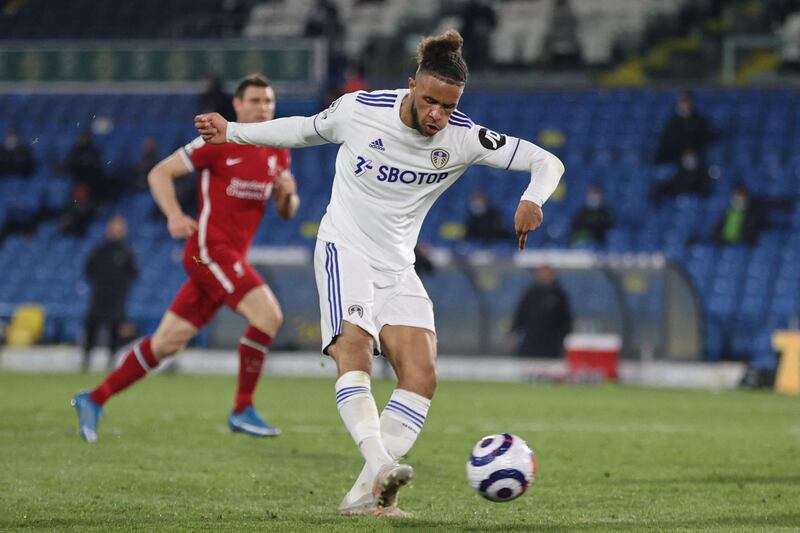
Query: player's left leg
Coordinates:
[263,313]
[408,340]
[412,353]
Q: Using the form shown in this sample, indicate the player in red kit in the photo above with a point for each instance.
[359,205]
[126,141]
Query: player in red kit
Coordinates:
[236,182]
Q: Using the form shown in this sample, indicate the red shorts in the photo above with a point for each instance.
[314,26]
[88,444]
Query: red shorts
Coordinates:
[212,284]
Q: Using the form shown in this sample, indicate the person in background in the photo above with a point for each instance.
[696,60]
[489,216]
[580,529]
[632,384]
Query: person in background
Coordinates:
[237,183]
[148,158]
[16,159]
[593,220]
[562,48]
[691,178]
[746,217]
[79,213]
[84,164]
[483,221]
[686,130]
[480,21]
[543,317]
[214,98]
[110,270]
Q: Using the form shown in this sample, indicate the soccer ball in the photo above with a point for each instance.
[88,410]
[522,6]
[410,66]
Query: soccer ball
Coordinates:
[501,467]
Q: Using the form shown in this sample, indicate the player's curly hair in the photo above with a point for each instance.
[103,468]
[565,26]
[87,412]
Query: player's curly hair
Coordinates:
[441,57]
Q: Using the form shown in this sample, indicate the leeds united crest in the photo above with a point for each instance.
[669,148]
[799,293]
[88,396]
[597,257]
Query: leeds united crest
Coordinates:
[439,157]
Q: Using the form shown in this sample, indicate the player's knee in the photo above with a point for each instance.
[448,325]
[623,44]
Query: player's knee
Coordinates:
[269,320]
[352,352]
[421,379]
[164,346]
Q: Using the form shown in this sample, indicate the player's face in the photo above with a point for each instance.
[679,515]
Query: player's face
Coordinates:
[257,104]
[433,101]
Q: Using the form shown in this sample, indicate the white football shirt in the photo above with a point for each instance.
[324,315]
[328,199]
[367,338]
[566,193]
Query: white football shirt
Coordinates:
[389,175]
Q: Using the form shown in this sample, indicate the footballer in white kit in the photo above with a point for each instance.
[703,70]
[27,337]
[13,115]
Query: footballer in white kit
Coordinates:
[387,177]
[399,150]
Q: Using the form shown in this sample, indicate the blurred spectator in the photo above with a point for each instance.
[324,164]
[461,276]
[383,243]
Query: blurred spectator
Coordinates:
[483,220]
[77,216]
[110,270]
[85,165]
[692,177]
[687,129]
[479,21]
[214,98]
[543,317]
[746,217]
[16,159]
[323,21]
[147,160]
[354,79]
[593,220]
[561,45]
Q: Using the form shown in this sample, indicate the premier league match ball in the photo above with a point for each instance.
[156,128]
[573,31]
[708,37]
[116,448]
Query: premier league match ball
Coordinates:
[501,467]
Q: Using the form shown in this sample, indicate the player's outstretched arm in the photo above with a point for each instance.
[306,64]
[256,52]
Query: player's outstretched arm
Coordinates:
[213,127]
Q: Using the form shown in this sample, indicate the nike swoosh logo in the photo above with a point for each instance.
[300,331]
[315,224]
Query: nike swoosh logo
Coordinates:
[233,161]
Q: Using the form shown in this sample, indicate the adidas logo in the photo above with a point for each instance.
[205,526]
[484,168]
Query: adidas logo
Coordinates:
[378,145]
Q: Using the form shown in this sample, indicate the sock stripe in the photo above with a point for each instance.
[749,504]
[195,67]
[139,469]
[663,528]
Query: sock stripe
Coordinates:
[348,389]
[139,357]
[343,400]
[253,344]
[416,418]
[347,394]
[410,410]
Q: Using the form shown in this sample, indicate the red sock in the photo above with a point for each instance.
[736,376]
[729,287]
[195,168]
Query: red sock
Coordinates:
[252,351]
[136,364]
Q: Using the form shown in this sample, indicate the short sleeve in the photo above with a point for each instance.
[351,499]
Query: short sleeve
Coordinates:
[332,123]
[491,148]
[197,154]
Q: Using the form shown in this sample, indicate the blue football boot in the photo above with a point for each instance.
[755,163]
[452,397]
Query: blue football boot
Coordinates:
[89,414]
[249,421]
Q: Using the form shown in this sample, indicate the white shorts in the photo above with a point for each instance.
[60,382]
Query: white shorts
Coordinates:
[351,290]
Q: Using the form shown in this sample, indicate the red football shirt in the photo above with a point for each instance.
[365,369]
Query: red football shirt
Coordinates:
[235,182]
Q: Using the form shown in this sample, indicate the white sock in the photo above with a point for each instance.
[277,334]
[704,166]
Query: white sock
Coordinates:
[360,416]
[401,422]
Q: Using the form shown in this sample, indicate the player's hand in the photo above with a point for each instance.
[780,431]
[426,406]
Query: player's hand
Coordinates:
[212,127]
[285,184]
[285,194]
[181,226]
[527,218]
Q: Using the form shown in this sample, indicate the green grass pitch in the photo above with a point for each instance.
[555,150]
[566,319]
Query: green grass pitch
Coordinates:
[610,459]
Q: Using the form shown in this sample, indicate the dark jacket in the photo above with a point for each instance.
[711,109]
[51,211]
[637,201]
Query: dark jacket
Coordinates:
[486,226]
[543,318]
[591,224]
[684,133]
[110,270]
[17,161]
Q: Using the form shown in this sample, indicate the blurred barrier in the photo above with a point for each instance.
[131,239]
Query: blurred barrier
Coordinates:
[301,61]
[643,299]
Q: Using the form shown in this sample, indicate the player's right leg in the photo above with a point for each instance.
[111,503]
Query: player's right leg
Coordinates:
[263,313]
[188,312]
[349,335]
